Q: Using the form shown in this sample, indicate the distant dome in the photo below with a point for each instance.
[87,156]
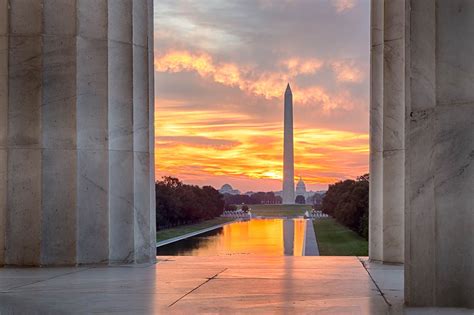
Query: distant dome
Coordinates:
[301,185]
[226,187]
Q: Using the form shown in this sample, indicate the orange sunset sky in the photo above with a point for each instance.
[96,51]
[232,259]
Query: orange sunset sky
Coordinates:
[221,68]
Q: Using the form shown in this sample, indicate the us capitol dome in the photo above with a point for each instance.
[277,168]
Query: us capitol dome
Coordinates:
[227,189]
[301,188]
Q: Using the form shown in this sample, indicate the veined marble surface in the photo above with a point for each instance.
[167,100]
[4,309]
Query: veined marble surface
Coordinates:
[217,285]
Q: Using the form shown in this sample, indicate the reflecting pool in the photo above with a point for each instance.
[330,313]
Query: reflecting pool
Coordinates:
[274,237]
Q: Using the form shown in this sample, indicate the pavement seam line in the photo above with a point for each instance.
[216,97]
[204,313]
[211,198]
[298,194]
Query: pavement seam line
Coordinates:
[208,279]
[375,283]
[36,282]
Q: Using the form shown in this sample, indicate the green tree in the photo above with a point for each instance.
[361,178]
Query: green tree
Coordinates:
[348,202]
[177,203]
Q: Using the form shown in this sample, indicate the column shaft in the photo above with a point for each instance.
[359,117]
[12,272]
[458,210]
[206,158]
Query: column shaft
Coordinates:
[393,131]
[420,206]
[376,132]
[3,122]
[58,123]
[141,143]
[151,126]
[440,154]
[120,124]
[387,131]
[454,153]
[24,171]
[76,129]
[92,128]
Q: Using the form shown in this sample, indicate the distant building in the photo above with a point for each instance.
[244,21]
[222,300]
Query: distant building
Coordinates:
[227,189]
[288,191]
[308,195]
[301,188]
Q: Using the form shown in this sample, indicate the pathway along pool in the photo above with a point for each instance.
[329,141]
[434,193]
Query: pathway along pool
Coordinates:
[269,237]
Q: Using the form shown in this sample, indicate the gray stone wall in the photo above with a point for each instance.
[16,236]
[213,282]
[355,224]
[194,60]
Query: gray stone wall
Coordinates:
[76,132]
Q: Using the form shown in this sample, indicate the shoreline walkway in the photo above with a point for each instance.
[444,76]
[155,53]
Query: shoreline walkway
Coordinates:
[191,234]
[311,244]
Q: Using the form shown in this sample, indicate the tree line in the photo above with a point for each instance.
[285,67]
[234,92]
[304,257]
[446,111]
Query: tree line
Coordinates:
[178,203]
[348,202]
[253,199]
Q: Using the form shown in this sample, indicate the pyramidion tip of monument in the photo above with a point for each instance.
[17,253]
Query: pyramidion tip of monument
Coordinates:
[288,88]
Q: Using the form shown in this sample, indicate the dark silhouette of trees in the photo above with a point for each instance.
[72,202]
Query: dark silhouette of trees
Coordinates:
[300,200]
[177,203]
[316,199]
[348,202]
[256,198]
[237,199]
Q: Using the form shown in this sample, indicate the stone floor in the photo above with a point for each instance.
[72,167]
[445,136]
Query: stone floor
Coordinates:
[227,285]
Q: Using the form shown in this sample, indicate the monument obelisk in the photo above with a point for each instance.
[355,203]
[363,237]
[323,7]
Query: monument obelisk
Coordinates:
[288,194]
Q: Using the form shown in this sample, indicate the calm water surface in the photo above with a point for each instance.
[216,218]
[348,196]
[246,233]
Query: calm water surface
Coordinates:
[273,237]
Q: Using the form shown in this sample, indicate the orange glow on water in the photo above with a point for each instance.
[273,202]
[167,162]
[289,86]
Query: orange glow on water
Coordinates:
[299,237]
[266,237]
[256,236]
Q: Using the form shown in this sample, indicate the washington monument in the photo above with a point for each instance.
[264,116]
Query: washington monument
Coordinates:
[288,194]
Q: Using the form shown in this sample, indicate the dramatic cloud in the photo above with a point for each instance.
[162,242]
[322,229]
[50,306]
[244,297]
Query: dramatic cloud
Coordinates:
[268,85]
[343,5]
[221,71]
[241,147]
[347,71]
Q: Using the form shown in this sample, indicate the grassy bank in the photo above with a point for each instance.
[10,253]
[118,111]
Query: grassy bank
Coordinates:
[336,240]
[165,234]
[279,210]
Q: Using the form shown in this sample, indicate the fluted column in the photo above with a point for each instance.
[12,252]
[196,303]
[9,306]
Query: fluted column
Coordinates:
[439,268]
[420,205]
[387,132]
[394,131]
[3,122]
[151,127]
[376,132]
[76,182]
[57,86]
[142,146]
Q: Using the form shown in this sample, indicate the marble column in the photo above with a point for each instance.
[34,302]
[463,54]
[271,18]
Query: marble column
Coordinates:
[393,131]
[3,121]
[439,268]
[387,132]
[376,133]
[76,161]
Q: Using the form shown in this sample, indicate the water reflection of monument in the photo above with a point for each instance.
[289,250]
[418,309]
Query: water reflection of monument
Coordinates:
[288,237]
[273,237]
[294,232]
